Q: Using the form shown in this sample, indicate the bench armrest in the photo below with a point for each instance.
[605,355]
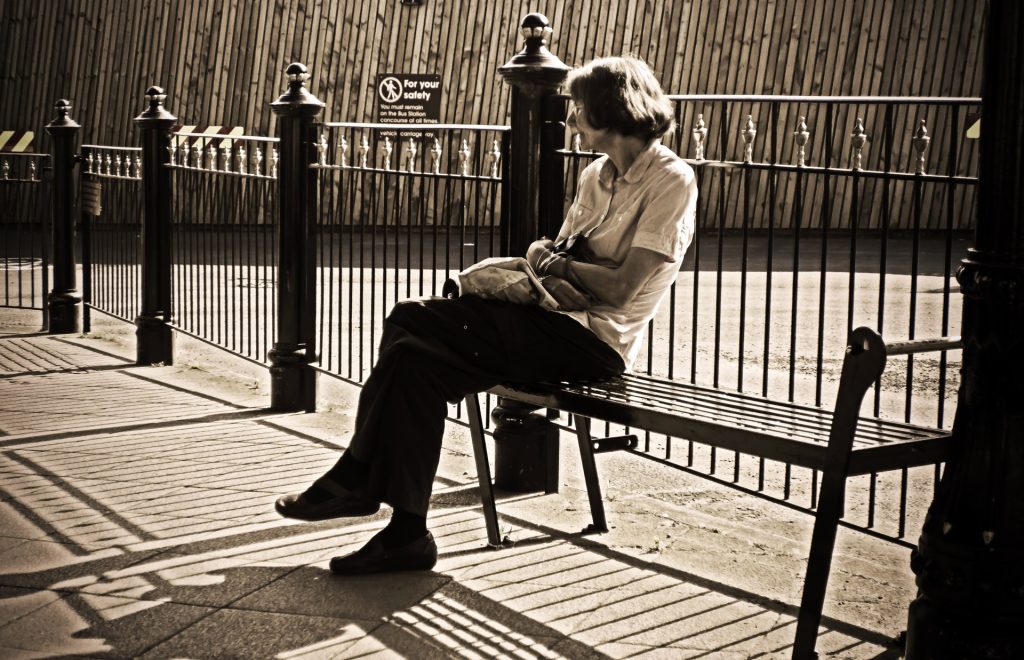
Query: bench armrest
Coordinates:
[923,345]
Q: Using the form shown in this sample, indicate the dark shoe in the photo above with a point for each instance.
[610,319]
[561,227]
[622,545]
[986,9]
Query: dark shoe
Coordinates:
[325,500]
[420,555]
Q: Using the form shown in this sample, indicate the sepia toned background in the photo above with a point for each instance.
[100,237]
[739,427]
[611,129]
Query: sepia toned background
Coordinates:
[222,61]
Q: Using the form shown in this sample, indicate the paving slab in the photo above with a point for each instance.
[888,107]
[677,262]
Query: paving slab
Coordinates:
[104,626]
[236,633]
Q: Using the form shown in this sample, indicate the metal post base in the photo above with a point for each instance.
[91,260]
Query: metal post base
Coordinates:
[64,313]
[154,341]
[525,449]
[292,382]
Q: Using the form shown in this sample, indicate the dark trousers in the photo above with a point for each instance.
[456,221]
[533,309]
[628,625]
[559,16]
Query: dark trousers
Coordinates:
[438,350]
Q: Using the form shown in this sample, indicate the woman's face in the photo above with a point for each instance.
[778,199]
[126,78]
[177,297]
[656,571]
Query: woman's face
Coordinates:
[590,137]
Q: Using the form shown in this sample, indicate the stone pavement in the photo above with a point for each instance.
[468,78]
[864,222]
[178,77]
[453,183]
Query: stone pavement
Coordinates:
[136,521]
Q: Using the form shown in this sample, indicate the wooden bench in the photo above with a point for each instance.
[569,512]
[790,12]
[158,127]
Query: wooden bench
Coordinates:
[839,443]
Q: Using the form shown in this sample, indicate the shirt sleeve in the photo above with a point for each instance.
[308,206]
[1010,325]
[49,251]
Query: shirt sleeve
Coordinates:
[580,211]
[666,224]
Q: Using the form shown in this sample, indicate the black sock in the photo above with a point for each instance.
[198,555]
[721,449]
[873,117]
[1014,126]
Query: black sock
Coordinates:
[349,472]
[404,528]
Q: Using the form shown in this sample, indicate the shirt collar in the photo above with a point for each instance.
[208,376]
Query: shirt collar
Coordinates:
[636,171]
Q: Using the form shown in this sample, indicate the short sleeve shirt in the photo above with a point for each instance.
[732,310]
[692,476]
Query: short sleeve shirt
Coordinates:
[651,206]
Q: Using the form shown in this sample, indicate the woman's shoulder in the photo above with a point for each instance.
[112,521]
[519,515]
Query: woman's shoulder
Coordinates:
[671,167]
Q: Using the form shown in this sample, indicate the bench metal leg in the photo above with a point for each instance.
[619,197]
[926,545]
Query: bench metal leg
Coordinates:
[582,425]
[823,540]
[483,470]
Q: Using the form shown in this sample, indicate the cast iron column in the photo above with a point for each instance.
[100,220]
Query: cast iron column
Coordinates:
[526,443]
[63,300]
[154,339]
[535,75]
[293,380]
[970,557]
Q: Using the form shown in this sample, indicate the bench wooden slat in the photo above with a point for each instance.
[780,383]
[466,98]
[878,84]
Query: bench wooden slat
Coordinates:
[808,422]
[731,420]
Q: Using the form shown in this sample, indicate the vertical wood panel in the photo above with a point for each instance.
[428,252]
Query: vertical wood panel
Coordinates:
[222,62]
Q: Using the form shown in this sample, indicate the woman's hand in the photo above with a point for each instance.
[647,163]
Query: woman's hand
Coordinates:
[538,251]
[568,297]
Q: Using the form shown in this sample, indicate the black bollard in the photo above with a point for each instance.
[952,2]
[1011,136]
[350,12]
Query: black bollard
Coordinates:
[63,300]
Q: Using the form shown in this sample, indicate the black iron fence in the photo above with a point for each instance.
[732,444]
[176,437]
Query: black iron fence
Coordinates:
[111,261]
[24,230]
[401,210]
[222,234]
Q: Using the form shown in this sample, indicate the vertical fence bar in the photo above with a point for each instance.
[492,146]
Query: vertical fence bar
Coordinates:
[63,300]
[292,378]
[154,338]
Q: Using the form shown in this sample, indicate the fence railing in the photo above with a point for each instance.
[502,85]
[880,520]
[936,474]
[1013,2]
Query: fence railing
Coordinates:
[222,234]
[397,219]
[111,261]
[24,230]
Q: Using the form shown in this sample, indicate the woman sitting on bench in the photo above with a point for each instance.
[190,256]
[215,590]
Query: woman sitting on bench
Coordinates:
[633,218]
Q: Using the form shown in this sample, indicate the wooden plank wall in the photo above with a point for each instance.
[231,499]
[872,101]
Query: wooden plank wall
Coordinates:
[222,61]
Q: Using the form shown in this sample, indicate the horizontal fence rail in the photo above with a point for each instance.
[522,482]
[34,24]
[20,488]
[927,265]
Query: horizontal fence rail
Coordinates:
[224,258]
[24,230]
[402,208]
[816,215]
[111,239]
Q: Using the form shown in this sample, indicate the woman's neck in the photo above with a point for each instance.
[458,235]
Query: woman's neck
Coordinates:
[622,150]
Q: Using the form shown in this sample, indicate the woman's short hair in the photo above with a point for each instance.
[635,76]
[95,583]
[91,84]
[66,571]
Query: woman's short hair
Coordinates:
[621,94]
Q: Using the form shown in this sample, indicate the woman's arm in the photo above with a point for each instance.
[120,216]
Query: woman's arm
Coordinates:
[616,286]
[613,286]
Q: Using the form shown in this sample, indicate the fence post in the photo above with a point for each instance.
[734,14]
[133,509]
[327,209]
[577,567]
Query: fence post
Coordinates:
[526,442]
[969,561]
[293,380]
[63,299]
[535,75]
[154,339]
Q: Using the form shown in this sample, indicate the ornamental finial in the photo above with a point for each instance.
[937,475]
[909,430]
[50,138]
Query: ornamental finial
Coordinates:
[364,153]
[495,158]
[63,108]
[700,132]
[321,147]
[801,135]
[62,120]
[435,156]
[535,68]
[410,156]
[387,149]
[536,29]
[297,96]
[464,154]
[859,138]
[155,115]
[920,143]
[748,133]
